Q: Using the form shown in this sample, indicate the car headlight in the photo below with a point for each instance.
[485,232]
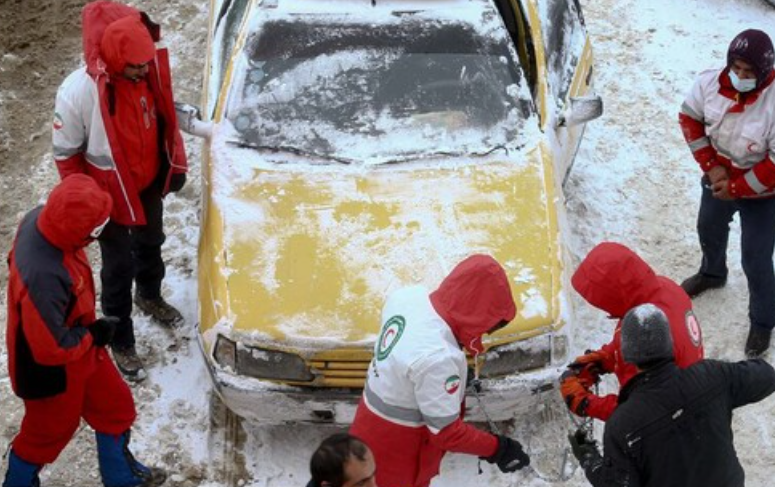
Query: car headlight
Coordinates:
[260,363]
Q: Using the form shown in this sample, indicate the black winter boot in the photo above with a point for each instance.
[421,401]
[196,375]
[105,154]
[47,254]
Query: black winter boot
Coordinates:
[758,342]
[699,283]
[160,310]
[129,363]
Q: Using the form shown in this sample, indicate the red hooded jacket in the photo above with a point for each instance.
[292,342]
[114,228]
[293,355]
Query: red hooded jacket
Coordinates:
[51,293]
[413,402]
[614,279]
[109,126]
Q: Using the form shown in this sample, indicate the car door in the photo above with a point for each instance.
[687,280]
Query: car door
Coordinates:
[568,61]
[226,21]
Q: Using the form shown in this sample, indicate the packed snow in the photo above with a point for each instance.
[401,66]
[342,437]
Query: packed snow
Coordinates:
[634,182]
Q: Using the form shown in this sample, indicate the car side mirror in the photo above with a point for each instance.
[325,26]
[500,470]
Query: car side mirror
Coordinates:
[580,110]
[190,120]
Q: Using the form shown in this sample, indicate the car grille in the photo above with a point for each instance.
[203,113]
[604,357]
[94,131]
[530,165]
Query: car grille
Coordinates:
[343,370]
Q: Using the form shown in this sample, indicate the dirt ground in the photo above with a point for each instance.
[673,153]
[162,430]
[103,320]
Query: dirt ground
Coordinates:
[40,44]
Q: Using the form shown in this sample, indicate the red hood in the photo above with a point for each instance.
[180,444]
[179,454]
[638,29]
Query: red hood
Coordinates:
[75,207]
[95,19]
[474,298]
[614,279]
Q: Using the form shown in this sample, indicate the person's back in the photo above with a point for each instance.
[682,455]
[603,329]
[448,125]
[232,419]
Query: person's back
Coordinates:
[676,424]
[673,427]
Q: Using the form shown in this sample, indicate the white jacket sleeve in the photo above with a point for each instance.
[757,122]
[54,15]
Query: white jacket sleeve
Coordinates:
[694,104]
[439,386]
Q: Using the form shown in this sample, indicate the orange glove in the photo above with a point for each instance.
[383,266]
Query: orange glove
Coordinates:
[575,394]
[590,366]
[598,357]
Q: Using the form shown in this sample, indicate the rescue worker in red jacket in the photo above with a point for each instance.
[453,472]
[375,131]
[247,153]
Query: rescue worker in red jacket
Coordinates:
[115,120]
[728,124]
[614,279]
[56,347]
[410,414]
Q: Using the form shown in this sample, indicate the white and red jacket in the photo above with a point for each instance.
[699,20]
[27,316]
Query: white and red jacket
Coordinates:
[412,408]
[86,138]
[732,129]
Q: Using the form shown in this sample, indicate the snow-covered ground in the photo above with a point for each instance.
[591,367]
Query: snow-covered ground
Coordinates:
[634,182]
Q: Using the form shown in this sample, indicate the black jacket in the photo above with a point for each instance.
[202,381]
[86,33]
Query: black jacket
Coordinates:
[673,427]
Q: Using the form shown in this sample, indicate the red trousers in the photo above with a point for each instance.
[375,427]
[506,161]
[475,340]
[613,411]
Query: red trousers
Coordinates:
[95,392]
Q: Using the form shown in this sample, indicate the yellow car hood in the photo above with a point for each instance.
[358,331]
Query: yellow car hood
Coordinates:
[308,257]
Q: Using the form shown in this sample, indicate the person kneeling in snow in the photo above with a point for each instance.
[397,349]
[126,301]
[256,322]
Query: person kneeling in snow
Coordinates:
[673,427]
[56,347]
[614,279]
[411,411]
[342,460]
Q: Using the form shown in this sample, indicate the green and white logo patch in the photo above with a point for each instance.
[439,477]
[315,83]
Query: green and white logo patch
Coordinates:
[391,332]
[452,384]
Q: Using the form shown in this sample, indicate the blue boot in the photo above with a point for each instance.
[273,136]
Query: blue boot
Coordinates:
[118,466]
[21,473]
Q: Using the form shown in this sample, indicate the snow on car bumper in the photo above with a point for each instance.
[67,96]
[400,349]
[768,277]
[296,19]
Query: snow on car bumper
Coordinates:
[266,402]
[508,397]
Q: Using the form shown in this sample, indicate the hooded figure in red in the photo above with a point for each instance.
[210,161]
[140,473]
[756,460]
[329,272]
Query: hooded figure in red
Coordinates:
[412,406]
[614,279]
[56,356]
[115,120]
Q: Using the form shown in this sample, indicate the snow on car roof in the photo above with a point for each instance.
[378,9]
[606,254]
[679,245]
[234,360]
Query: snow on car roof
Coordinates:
[380,7]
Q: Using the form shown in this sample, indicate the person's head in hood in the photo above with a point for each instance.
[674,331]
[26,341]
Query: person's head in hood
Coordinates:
[76,211]
[750,59]
[614,279]
[474,299]
[127,48]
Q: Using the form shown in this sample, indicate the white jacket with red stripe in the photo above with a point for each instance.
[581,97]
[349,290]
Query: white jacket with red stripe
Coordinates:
[738,132]
[418,374]
[411,411]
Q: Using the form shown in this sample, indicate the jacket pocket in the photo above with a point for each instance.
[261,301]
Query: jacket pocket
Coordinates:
[33,380]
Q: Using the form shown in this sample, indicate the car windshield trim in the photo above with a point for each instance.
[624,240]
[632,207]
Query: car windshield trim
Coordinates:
[432,155]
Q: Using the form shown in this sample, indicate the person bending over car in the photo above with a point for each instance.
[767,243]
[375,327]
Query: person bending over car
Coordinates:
[411,412]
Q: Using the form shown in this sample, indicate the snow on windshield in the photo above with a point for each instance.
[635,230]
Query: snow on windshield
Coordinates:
[371,93]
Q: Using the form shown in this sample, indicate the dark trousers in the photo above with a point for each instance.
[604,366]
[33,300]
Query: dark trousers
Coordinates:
[757,229]
[132,254]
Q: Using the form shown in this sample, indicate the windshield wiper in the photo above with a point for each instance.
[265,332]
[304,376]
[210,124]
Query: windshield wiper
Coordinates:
[292,150]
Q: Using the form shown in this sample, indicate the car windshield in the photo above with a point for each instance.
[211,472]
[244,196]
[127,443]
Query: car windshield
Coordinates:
[378,92]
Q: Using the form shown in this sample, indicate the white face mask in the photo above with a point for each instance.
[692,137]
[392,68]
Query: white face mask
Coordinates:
[741,85]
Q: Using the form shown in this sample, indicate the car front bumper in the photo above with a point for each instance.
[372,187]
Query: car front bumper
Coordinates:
[265,402]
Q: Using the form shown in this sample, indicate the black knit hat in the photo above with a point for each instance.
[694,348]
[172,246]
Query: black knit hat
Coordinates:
[646,335]
[754,47]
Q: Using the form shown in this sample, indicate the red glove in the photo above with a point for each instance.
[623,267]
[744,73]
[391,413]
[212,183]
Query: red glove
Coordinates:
[575,394]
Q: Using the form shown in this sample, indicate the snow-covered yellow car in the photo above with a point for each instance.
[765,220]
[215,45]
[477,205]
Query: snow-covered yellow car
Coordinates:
[359,146]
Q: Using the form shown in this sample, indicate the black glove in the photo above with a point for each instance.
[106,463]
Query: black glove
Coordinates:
[177,181]
[584,449]
[510,456]
[102,330]
[472,382]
